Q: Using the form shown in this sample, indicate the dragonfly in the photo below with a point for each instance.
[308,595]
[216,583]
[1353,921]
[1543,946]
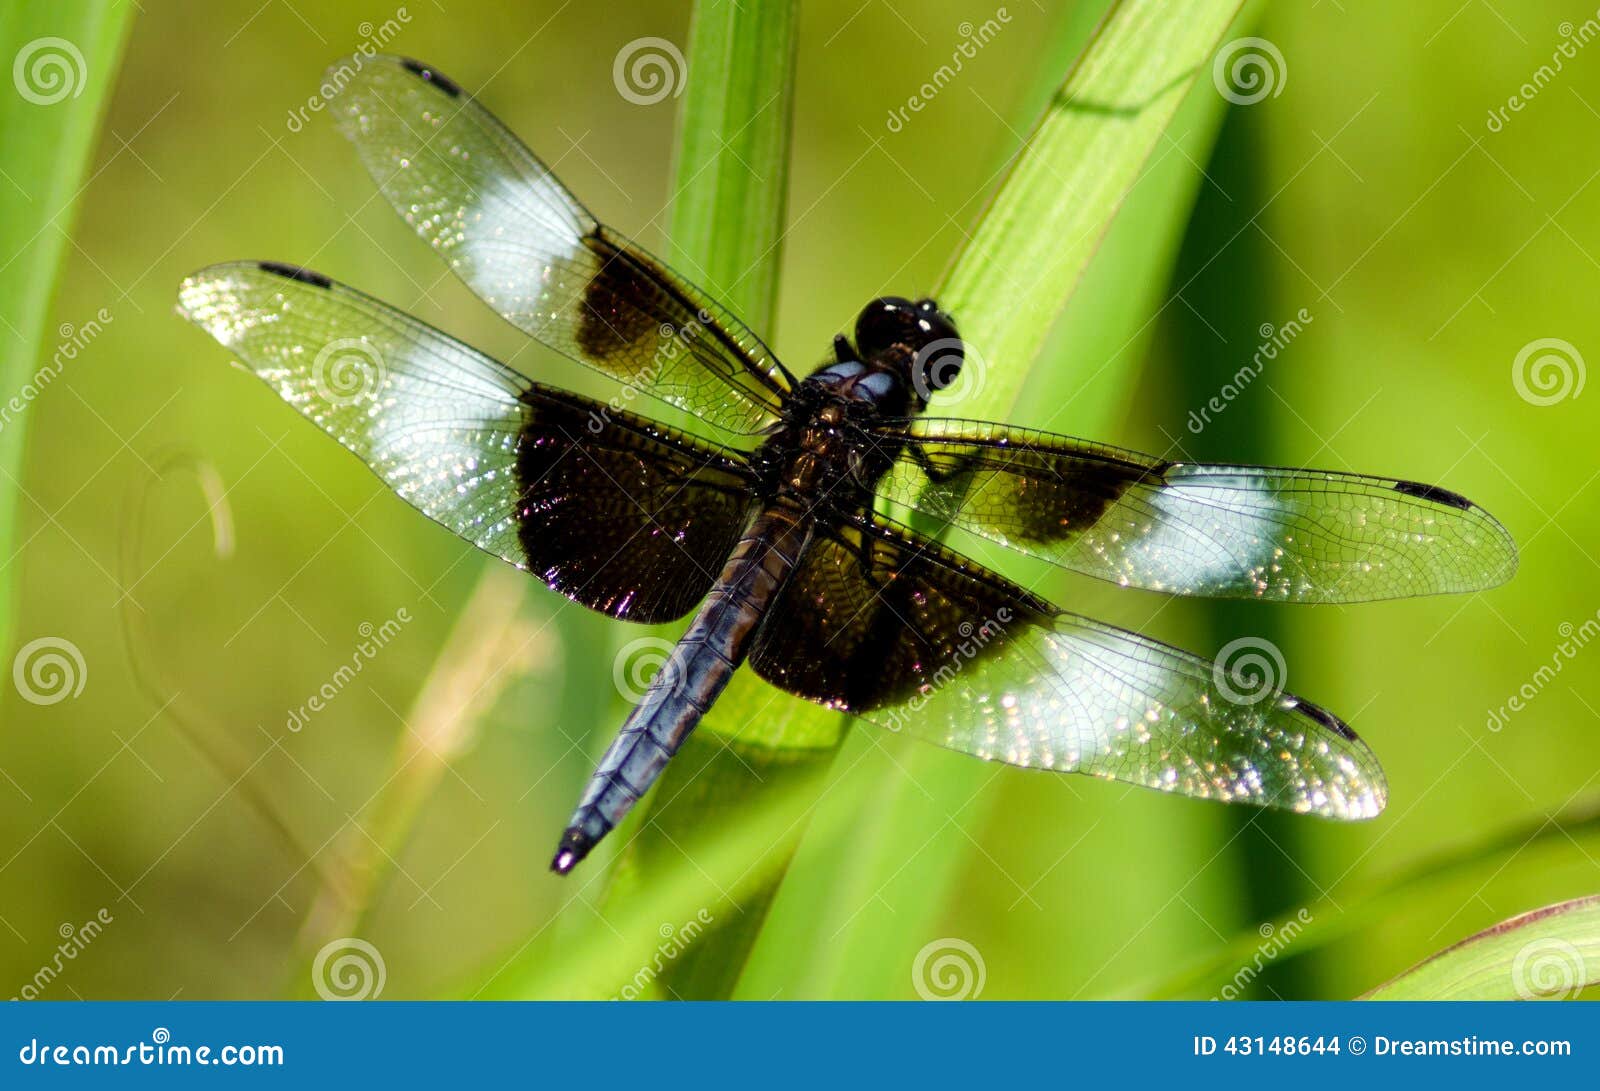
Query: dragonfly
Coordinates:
[782,516]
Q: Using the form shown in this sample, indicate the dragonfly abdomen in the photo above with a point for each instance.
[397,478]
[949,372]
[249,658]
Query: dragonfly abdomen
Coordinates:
[700,666]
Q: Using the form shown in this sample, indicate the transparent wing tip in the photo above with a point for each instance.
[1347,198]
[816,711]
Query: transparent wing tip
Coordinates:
[1499,549]
[1351,787]
[348,70]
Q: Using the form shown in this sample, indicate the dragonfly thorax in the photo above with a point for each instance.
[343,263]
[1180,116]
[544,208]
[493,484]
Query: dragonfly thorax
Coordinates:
[854,381]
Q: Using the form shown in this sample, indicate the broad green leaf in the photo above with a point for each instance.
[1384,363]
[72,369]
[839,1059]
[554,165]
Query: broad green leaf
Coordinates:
[62,61]
[1547,954]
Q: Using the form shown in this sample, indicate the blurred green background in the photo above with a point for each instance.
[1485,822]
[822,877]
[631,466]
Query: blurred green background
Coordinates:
[1428,246]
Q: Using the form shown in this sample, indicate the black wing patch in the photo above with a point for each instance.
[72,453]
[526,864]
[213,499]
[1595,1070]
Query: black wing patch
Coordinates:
[902,632]
[621,514]
[617,513]
[1192,528]
[521,241]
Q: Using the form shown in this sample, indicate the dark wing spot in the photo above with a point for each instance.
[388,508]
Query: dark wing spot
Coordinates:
[1064,497]
[1325,718]
[622,310]
[295,272]
[433,76]
[1434,493]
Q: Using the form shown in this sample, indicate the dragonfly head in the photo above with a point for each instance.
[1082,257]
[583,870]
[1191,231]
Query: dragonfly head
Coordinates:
[915,339]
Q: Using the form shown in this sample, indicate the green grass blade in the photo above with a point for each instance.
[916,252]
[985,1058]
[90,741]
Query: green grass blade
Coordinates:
[62,58]
[832,933]
[731,175]
[1550,953]
[731,184]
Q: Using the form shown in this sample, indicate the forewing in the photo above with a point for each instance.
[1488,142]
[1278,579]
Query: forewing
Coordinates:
[616,513]
[524,244]
[1193,528]
[906,634]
